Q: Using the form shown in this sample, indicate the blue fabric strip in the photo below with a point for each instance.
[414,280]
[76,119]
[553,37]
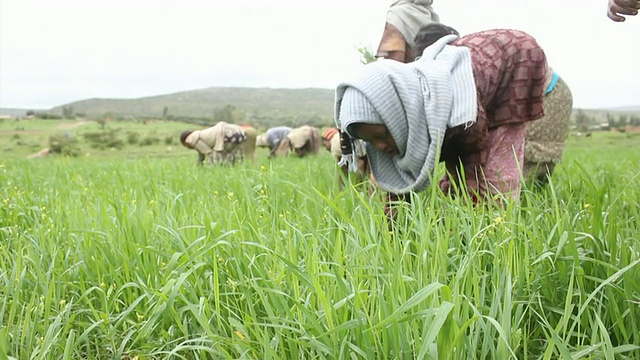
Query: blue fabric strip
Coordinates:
[552,84]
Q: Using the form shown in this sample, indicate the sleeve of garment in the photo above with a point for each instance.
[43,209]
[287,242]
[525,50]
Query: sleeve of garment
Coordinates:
[466,146]
[202,147]
[194,139]
[218,136]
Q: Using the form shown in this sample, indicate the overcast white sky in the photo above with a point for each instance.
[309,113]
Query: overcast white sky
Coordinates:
[55,52]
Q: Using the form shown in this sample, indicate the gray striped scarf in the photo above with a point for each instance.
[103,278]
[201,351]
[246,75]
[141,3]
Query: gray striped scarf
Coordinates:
[417,102]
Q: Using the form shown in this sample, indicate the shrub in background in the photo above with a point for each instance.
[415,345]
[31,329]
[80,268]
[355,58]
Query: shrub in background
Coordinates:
[104,139]
[149,140]
[133,138]
[63,144]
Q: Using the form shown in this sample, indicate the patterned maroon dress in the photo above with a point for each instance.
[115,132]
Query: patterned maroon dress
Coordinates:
[509,68]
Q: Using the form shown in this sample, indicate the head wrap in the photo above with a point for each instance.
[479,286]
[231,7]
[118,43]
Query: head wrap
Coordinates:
[403,98]
[328,133]
[410,15]
[261,140]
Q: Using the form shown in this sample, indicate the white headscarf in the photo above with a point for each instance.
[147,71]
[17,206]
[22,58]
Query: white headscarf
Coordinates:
[416,102]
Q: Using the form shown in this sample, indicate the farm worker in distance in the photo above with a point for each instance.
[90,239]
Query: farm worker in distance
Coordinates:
[249,146]
[303,140]
[331,140]
[272,139]
[404,18]
[477,123]
[617,8]
[545,138]
[219,144]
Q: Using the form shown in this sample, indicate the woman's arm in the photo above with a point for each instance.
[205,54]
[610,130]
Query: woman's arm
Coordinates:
[390,207]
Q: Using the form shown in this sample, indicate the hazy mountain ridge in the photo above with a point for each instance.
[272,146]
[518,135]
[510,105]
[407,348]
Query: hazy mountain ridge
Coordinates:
[311,104]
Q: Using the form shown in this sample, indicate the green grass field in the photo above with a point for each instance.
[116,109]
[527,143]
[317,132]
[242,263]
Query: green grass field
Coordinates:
[136,253]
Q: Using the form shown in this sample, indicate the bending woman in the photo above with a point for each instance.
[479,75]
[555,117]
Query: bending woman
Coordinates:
[219,144]
[545,138]
[467,101]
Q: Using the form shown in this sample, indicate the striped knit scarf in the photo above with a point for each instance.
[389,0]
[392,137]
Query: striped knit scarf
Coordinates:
[417,102]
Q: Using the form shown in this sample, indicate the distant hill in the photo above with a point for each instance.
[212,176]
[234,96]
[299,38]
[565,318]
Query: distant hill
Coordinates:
[16,112]
[262,105]
[258,106]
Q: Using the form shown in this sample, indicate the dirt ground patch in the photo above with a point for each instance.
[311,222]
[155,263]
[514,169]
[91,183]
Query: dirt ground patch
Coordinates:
[71,125]
[12,132]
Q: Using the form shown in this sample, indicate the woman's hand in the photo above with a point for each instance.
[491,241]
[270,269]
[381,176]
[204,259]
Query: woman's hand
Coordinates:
[617,8]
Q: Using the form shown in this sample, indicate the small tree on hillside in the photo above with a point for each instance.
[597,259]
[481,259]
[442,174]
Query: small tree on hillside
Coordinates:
[67,112]
[229,113]
[622,121]
[611,121]
[582,121]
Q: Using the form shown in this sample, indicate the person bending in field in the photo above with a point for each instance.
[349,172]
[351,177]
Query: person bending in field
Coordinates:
[219,144]
[545,138]
[273,139]
[404,18]
[303,141]
[489,86]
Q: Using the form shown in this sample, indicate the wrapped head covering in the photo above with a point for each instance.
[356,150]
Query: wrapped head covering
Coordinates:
[328,133]
[403,98]
[408,16]
[261,140]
